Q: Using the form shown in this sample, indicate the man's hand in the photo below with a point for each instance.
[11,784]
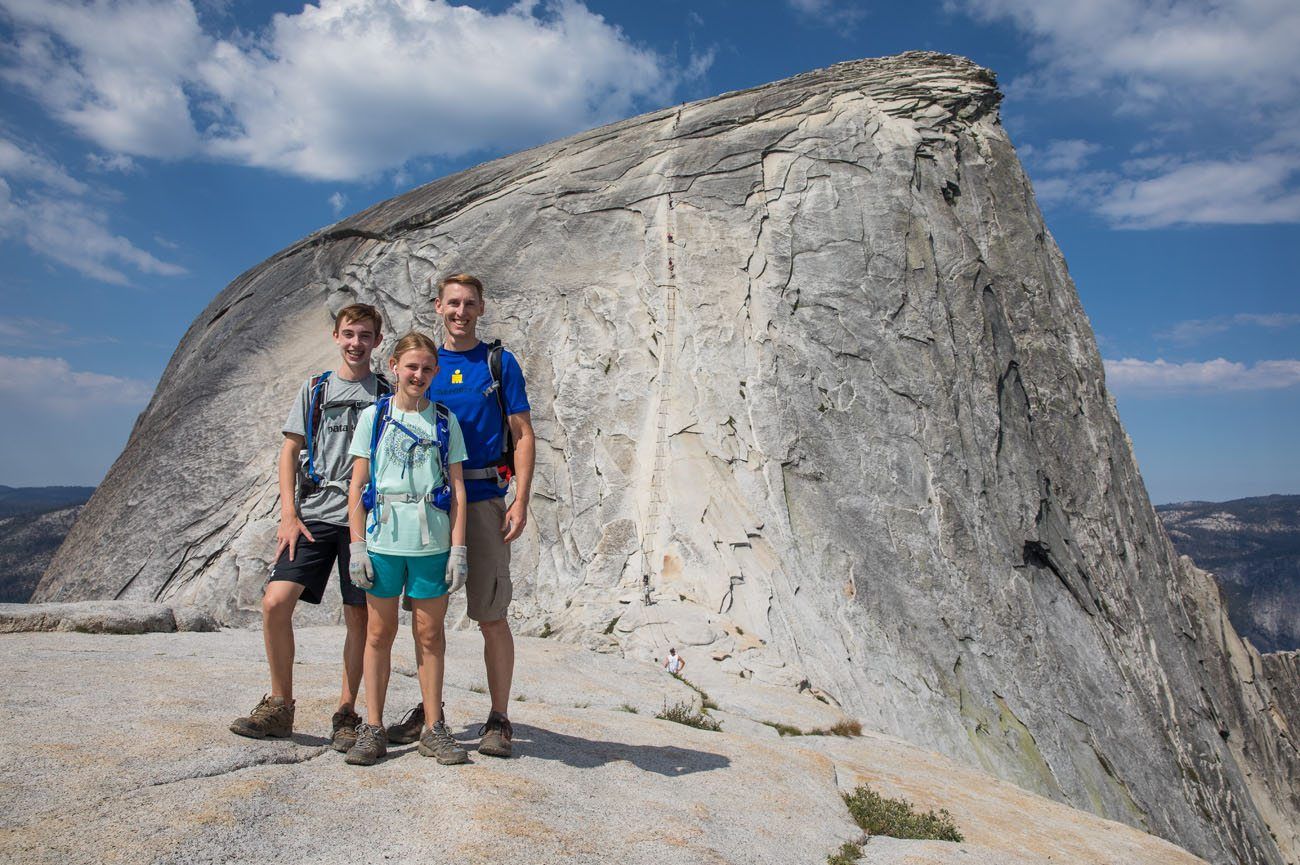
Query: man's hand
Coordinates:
[360,571]
[515,520]
[457,569]
[286,537]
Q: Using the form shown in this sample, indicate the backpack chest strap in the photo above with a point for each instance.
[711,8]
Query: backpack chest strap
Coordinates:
[407,498]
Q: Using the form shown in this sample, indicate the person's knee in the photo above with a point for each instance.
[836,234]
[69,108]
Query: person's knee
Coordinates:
[380,631]
[498,629]
[355,617]
[432,637]
[278,606]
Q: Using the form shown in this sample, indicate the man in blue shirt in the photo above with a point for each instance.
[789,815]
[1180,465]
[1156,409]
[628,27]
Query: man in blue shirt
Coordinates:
[464,384]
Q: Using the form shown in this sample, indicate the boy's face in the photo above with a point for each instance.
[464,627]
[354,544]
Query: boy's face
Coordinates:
[460,308]
[356,340]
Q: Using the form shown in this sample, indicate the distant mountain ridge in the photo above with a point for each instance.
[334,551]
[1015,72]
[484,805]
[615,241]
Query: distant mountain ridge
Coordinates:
[38,500]
[33,523]
[1252,546]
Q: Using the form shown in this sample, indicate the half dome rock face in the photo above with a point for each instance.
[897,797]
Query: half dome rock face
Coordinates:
[807,356]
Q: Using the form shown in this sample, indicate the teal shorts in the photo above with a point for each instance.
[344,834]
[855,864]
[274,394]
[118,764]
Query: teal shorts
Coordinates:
[420,576]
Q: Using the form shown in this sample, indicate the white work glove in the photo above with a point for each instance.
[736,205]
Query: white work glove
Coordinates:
[360,571]
[457,569]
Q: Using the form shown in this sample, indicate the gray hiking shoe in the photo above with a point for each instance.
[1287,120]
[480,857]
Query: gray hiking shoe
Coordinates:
[408,729]
[343,730]
[437,742]
[496,734]
[272,717]
[371,744]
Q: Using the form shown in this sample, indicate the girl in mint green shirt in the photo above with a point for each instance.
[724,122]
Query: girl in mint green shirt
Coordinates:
[407,545]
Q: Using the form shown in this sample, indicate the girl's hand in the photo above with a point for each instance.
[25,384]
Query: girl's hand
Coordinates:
[457,569]
[360,571]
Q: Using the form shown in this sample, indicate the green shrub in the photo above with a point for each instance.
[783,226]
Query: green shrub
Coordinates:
[684,713]
[849,853]
[896,818]
[627,707]
[843,728]
[705,700]
[545,631]
[784,729]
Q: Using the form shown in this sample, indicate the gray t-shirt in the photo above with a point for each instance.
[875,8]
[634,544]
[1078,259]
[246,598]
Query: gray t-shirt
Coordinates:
[343,402]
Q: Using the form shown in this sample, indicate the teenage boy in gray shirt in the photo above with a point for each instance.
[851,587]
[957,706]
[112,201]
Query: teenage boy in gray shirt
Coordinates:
[313,536]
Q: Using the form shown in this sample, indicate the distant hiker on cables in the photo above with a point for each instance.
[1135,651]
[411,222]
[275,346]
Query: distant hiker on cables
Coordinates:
[406,509]
[674,663]
[484,386]
[313,534]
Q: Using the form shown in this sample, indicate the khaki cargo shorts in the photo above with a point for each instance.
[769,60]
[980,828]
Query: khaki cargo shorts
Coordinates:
[488,589]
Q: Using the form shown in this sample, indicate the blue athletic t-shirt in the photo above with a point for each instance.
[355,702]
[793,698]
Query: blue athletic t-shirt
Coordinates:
[464,385]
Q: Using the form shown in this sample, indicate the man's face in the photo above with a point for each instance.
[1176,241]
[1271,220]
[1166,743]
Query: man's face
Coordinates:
[460,308]
[356,340]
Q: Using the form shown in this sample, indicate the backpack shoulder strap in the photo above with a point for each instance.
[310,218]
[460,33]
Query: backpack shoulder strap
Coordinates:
[495,363]
[315,411]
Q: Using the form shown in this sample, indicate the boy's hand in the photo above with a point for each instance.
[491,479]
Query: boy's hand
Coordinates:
[515,520]
[287,536]
[360,571]
[457,569]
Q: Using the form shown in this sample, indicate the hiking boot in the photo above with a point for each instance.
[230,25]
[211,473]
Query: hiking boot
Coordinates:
[371,744]
[272,717]
[437,742]
[343,730]
[408,730]
[496,734]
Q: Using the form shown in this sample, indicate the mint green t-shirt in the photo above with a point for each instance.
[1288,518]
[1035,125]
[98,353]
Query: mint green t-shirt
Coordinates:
[399,469]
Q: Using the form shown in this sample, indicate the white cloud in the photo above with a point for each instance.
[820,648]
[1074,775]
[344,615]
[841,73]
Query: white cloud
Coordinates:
[829,12]
[1060,155]
[1197,329]
[1250,191]
[50,384]
[338,201]
[115,72]
[1231,52]
[1145,377]
[53,218]
[341,90]
[1196,72]
[77,236]
[18,163]
[118,162]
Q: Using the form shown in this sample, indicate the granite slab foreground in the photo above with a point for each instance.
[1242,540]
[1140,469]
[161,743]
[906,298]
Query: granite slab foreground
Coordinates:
[116,750]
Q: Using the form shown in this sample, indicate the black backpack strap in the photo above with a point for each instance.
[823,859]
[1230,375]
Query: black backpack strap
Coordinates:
[507,458]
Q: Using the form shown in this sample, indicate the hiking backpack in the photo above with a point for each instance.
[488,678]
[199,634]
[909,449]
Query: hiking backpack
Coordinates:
[316,413]
[440,498]
[505,464]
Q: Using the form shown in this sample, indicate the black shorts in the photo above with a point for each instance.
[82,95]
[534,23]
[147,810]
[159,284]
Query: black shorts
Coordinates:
[312,561]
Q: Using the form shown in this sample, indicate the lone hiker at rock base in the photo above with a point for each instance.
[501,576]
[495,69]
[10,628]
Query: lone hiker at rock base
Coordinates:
[484,386]
[314,469]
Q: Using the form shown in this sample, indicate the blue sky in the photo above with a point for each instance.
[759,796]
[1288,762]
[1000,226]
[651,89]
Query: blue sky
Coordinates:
[152,150]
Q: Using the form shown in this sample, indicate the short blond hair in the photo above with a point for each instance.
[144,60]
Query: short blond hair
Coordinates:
[412,341]
[464,279]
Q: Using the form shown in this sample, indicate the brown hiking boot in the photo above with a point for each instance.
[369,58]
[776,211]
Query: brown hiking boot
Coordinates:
[496,734]
[371,744]
[343,729]
[272,717]
[408,730]
[437,742]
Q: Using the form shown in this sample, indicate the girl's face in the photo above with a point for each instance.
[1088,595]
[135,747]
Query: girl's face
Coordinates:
[414,371]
